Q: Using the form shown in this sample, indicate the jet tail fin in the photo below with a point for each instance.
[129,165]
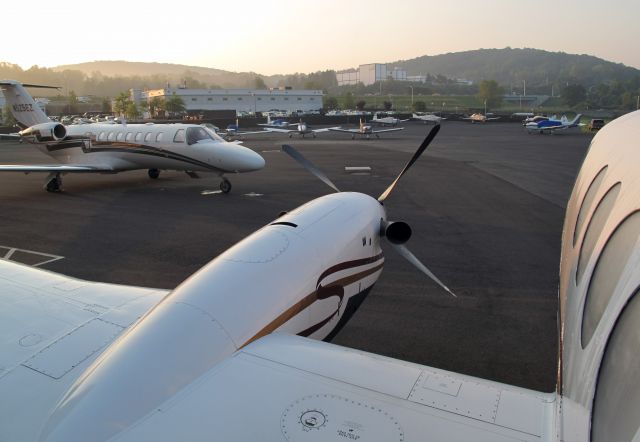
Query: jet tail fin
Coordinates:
[23,107]
[576,120]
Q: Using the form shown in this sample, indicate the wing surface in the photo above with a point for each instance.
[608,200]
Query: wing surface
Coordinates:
[288,388]
[379,131]
[349,131]
[275,129]
[51,328]
[53,168]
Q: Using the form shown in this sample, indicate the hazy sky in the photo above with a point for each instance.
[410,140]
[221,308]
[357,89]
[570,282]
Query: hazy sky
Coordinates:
[285,36]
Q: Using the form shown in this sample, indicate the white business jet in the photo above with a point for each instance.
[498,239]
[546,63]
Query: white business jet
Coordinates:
[365,130]
[204,362]
[112,148]
[301,129]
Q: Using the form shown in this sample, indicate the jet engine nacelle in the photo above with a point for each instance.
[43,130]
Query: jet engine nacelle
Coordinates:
[397,232]
[46,132]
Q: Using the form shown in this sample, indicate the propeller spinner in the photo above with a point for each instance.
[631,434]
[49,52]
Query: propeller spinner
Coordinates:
[397,233]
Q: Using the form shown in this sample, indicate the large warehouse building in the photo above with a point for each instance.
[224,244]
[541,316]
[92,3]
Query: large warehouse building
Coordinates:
[240,100]
[368,74]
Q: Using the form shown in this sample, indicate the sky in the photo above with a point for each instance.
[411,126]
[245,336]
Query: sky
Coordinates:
[270,37]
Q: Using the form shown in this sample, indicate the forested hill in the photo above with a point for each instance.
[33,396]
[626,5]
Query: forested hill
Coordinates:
[507,66]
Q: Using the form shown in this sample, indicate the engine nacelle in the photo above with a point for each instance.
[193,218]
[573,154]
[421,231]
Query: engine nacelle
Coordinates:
[397,232]
[45,132]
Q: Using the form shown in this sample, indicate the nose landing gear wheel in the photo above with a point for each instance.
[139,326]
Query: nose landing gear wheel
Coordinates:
[154,173]
[225,186]
[54,184]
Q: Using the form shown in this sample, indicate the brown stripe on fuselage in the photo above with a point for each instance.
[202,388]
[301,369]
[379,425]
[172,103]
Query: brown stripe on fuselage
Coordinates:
[311,298]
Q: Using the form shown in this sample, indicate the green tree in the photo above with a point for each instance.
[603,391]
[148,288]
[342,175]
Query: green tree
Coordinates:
[8,118]
[156,104]
[174,104]
[330,103]
[491,92]
[419,106]
[121,103]
[72,103]
[132,111]
[387,105]
[349,102]
[259,83]
[361,104]
[574,94]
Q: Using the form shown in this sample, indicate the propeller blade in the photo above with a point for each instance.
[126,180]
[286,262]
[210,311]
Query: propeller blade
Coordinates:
[432,134]
[406,253]
[293,153]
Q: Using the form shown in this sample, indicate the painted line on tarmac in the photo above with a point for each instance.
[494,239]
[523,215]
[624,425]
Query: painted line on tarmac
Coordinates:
[11,251]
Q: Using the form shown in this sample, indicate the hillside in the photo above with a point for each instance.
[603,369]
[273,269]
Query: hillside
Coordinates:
[117,68]
[512,66]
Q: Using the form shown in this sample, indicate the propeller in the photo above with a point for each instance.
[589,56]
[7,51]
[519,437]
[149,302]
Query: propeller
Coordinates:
[432,134]
[293,153]
[396,233]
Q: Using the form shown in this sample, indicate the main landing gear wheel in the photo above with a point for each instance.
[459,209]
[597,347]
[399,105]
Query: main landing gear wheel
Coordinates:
[54,184]
[225,186]
[153,174]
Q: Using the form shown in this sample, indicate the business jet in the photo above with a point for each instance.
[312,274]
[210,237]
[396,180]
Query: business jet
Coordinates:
[427,118]
[382,119]
[365,130]
[301,129]
[234,353]
[552,125]
[113,148]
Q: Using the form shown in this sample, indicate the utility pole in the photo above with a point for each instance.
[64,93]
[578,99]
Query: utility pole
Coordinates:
[524,87]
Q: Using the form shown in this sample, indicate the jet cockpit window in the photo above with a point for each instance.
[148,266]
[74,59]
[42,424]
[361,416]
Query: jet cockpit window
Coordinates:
[179,136]
[195,134]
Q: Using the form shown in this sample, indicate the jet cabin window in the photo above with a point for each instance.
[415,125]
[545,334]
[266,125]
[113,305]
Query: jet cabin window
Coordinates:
[120,136]
[179,136]
[195,134]
[112,136]
[147,137]
[102,136]
[130,136]
[159,137]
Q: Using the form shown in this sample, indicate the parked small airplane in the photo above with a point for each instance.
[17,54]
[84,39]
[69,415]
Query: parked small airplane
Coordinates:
[480,118]
[113,148]
[279,122]
[553,125]
[535,119]
[219,354]
[382,119]
[365,130]
[427,118]
[301,129]
[233,131]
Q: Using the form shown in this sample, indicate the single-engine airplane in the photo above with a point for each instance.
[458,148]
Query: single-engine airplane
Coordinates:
[112,148]
[365,130]
[383,119]
[552,125]
[427,118]
[227,354]
[278,122]
[301,129]
[233,131]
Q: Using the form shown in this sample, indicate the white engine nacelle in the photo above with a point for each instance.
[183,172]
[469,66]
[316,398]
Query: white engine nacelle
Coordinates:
[46,132]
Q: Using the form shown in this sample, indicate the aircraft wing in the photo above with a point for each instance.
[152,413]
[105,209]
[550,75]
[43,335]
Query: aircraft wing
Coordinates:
[349,131]
[324,129]
[288,388]
[238,134]
[62,168]
[493,118]
[52,327]
[10,137]
[395,129]
[275,129]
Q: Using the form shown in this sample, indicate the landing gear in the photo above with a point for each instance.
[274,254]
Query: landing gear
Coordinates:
[225,185]
[53,183]
[154,174]
[313,135]
[290,135]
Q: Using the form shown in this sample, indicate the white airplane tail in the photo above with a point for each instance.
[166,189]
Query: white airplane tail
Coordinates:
[23,107]
[576,120]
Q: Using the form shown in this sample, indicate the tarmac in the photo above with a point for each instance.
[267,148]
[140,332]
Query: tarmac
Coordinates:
[485,202]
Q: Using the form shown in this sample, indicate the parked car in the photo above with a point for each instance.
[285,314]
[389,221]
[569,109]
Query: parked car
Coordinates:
[596,124]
